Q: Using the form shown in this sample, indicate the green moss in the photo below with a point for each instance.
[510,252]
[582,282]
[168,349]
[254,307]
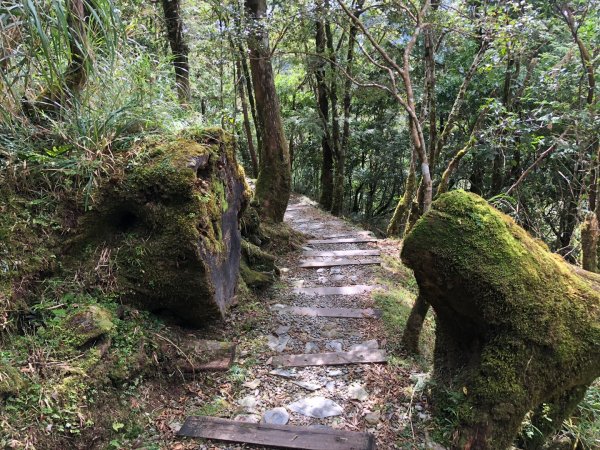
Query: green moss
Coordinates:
[87,324]
[162,216]
[11,380]
[515,324]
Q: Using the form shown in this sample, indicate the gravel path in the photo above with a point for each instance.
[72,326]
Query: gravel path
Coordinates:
[371,398]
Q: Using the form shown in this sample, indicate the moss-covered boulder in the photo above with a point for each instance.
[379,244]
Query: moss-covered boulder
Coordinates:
[87,324]
[169,218]
[11,380]
[517,329]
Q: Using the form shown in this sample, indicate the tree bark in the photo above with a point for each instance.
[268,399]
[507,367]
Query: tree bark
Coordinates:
[179,49]
[589,243]
[77,75]
[333,102]
[398,221]
[414,325]
[274,179]
[247,129]
[326,197]
[338,186]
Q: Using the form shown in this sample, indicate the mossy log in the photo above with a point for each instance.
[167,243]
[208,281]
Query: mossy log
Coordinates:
[517,328]
[170,217]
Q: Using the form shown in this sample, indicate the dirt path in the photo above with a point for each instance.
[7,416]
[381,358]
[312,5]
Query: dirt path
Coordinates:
[375,398]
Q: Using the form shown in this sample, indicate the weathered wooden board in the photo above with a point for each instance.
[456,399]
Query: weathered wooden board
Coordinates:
[296,207]
[349,313]
[195,355]
[356,289]
[356,240]
[334,253]
[349,234]
[300,221]
[330,359]
[280,436]
[340,262]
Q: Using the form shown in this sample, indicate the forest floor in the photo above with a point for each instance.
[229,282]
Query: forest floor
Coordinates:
[385,399]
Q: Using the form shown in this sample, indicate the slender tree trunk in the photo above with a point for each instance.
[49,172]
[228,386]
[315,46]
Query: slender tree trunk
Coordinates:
[179,49]
[445,180]
[326,197]
[333,102]
[274,179]
[398,222]
[429,57]
[247,129]
[338,186]
[75,76]
[414,325]
[590,233]
[251,102]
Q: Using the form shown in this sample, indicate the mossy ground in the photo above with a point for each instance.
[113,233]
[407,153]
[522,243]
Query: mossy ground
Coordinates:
[101,390]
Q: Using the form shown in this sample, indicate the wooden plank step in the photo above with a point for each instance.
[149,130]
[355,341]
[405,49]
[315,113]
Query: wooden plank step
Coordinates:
[355,289]
[195,355]
[330,359]
[355,240]
[350,234]
[333,253]
[280,436]
[296,207]
[341,262]
[348,313]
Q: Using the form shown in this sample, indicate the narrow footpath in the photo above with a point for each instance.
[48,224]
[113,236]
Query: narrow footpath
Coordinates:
[323,381]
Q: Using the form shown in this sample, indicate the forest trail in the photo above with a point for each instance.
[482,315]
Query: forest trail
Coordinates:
[326,367]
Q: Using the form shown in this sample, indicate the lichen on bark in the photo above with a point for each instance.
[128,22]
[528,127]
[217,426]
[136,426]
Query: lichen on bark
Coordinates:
[516,326]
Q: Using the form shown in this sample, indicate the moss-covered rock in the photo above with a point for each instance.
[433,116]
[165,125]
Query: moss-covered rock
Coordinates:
[11,380]
[258,268]
[89,323]
[170,218]
[516,327]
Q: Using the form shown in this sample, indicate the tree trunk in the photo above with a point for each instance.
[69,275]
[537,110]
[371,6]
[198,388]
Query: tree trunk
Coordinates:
[179,49]
[76,74]
[333,102]
[247,129]
[251,102]
[326,197]
[398,222]
[589,243]
[338,185]
[414,325]
[274,179]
